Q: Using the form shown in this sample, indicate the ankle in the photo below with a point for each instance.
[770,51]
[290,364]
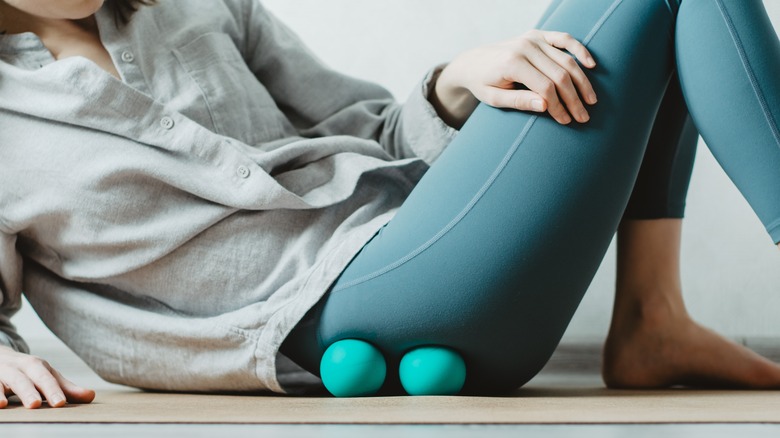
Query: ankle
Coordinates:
[649,310]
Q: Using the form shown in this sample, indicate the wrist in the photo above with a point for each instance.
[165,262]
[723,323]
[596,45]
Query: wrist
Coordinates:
[453,102]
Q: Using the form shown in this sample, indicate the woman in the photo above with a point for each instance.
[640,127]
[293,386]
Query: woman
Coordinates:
[192,191]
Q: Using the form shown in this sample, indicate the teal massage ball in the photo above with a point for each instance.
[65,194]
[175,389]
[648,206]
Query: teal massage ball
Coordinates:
[432,371]
[352,368]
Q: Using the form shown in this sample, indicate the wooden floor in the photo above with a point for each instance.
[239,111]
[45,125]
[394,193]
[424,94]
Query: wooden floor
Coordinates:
[570,377]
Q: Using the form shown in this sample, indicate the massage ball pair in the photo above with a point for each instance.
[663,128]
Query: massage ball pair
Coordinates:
[355,368]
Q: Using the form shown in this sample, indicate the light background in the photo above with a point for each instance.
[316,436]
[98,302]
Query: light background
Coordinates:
[731,270]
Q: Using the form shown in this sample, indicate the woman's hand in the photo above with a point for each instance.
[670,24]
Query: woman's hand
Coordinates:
[536,60]
[30,378]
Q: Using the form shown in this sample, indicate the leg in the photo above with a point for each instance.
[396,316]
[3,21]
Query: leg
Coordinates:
[738,114]
[504,209]
[473,260]
[662,184]
[651,336]
[653,342]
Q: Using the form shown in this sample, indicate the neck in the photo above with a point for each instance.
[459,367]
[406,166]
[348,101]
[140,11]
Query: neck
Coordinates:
[13,20]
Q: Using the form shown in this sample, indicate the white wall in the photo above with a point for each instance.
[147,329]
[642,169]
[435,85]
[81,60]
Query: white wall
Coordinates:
[730,267]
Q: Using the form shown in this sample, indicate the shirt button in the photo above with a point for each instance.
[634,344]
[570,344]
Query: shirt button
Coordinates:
[127,56]
[166,122]
[243,171]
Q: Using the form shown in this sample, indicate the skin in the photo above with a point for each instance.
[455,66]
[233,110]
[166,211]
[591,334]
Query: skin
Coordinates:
[57,10]
[652,341]
[554,80]
[66,27]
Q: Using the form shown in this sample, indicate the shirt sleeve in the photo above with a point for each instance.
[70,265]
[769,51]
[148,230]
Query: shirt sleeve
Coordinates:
[321,102]
[10,292]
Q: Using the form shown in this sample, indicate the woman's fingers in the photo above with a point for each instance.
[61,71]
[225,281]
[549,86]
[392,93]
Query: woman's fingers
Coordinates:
[578,76]
[30,378]
[40,374]
[564,85]
[537,60]
[21,385]
[74,393]
[523,100]
[563,40]
[538,82]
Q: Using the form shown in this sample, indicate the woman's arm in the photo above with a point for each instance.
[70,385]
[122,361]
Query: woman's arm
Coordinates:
[320,101]
[550,79]
[26,376]
[530,72]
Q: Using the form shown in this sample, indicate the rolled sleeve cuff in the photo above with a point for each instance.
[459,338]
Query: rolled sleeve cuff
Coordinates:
[16,343]
[427,134]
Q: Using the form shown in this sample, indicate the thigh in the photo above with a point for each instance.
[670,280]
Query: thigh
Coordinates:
[493,250]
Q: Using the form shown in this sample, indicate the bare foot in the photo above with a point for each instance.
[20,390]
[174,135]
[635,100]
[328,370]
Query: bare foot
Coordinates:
[666,349]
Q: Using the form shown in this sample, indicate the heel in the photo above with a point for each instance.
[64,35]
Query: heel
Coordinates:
[352,368]
[432,371]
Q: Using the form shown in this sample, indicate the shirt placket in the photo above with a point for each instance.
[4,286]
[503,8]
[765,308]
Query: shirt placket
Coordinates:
[123,54]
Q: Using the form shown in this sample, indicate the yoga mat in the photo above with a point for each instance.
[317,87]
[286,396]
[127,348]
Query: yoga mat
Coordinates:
[568,390]
[531,405]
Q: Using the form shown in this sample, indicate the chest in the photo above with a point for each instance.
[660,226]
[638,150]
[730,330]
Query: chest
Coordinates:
[81,44]
[202,76]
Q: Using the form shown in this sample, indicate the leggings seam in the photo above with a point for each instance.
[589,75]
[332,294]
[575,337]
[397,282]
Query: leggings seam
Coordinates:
[501,166]
[749,70]
[600,23]
[772,226]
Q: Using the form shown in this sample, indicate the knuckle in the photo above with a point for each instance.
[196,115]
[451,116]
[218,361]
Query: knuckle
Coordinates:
[560,77]
[519,103]
[523,44]
[39,375]
[16,383]
[548,89]
[30,361]
[571,63]
[557,108]
[530,33]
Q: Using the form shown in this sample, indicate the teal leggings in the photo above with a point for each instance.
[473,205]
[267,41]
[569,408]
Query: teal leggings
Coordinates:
[493,250]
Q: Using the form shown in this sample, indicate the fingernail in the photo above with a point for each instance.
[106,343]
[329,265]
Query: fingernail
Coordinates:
[591,61]
[584,117]
[55,400]
[592,98]
[537,105]
[566,119]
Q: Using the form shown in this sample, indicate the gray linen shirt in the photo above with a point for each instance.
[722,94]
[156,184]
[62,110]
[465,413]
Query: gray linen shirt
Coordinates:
[174,226]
